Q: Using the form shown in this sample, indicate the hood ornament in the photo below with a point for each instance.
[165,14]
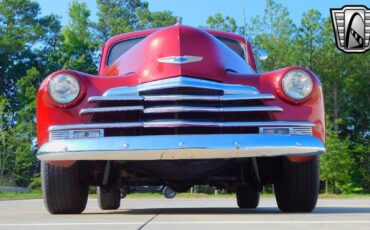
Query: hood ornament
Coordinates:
[178,21]
[180,59]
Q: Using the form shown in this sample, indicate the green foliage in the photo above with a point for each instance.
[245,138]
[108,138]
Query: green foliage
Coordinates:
[117,16]
[336,164]
[4,138]
[78,47]
[25,129]
[274,32]
[122,16]
[35,183]
[21,28]
[155,19]
[309,39]
[219,22]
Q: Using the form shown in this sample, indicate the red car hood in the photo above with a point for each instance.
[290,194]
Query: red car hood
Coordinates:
[178,41]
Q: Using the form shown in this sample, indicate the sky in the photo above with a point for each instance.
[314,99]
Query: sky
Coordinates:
[195,12]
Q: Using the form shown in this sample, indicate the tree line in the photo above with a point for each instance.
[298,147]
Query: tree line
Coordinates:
[33,46]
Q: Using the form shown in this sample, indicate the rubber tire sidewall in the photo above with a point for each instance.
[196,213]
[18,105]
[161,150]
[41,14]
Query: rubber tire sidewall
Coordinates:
[247,197]
[108,200]
[64,191]
[297,188]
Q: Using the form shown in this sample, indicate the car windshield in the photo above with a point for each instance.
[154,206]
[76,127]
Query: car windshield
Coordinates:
[123,46]
[120,48]
[234,45]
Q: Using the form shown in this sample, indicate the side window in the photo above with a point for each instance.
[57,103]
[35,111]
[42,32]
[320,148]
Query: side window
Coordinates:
[235,46]
[120,48]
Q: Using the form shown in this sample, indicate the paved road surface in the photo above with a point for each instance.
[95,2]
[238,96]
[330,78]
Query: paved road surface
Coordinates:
[191,214]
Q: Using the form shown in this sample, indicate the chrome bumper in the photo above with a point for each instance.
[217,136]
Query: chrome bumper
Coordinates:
[211,146]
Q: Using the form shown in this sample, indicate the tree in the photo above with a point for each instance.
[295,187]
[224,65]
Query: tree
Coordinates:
[117,17]
[155,19]
[122,16]
[4,137]
[21,28]
[336,164]
[78,48]
[219,22]
[17,141]
[23,34]
[274,32]
[25,130]
[309,38]
[46,57]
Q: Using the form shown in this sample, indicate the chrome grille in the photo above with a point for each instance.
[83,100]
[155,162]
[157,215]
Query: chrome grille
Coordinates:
[301,131]
[180,105]
[59,135]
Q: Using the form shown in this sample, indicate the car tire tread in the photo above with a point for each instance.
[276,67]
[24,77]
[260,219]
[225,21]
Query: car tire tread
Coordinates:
[297,188]
[63,192]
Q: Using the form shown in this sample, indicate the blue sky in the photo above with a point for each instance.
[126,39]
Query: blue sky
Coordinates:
[195,12]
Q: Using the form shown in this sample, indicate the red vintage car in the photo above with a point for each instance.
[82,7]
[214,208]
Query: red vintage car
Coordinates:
[180,106]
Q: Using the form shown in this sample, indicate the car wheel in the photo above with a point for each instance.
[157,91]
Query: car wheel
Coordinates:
[64,191]
[298,186]
[247,197]
[109,200]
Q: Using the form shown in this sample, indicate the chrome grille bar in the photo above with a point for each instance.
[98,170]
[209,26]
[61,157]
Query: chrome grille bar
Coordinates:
[181,123]
[115,98]
[181,109]
[184,82]
[247,97]
[111,109]
[183,98]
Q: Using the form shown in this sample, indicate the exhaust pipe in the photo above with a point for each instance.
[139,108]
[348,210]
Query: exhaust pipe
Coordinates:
[168,193]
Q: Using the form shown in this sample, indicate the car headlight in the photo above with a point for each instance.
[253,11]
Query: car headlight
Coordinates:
[297,84]
[64,88]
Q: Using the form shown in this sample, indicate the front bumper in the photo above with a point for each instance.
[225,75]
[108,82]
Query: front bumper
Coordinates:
[213,146]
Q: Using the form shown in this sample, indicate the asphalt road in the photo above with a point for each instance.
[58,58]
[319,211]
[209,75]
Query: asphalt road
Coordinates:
[191,214]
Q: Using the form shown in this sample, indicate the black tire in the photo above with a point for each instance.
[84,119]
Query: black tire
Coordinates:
[297,188]
[248,197]
[109,200]
[64,191]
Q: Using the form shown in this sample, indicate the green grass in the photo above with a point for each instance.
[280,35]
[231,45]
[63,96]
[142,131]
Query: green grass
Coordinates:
[180,195]
[37,194]
[350,195]
[231,195]
[13,195]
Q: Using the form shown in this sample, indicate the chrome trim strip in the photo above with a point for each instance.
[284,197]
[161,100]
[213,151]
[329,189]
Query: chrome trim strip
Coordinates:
[169,147]
[247,97]
[116,98]
[181,109]
[95,126]
[181,81]
[208,98]
[110,109]
[180,123]
[251,109]
[181,97]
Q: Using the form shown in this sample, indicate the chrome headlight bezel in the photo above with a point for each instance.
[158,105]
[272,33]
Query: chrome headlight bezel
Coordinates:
[297,84]
[64,88]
